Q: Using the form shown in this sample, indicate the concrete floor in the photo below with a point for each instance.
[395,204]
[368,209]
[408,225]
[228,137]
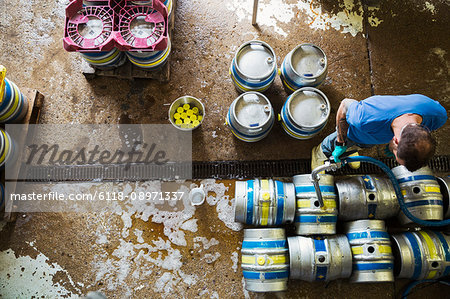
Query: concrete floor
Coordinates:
[399,47]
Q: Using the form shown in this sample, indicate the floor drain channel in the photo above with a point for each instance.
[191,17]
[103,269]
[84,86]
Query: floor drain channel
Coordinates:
[202,170]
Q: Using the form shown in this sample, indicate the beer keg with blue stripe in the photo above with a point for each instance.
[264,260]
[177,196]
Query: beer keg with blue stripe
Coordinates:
[254,67]
[265,260]
[250,117]
[366,197]
[310,218]
[264,202]
[371,249]
[151,60]
[421,193]
[14,105]
[444,184]
[105,60]
[7,149]
[319,258]
[421,255]
[306,65]
[305,113]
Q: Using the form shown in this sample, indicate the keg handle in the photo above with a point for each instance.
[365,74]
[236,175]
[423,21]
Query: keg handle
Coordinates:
[315,177]
[255,130]
[307,78]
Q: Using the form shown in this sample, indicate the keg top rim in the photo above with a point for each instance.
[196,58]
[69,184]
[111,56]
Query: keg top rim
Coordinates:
[260,95]
[295,51]
[320,95]
[268,49]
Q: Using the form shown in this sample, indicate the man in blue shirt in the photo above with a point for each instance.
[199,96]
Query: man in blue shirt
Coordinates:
[403,122]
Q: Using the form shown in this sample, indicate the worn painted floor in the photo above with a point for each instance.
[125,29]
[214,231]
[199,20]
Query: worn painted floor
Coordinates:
[398,47]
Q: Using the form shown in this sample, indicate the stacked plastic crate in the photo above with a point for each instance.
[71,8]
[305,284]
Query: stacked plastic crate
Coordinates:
[108,32]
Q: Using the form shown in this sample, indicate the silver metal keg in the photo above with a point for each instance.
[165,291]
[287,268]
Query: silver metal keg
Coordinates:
[305,113]
[310,218]
[250,117]
[254,67]
[372,253]
[306,65]
[265,260]
[421,192]
[366,197]
[444,184]
[264,202]
[320,258]
[421,255]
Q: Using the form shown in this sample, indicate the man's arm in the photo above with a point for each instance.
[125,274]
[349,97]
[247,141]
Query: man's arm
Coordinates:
[341,120]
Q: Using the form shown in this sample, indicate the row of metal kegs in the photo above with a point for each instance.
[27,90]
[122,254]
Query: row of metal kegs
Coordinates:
[107,33]
[13,104]
[253,70]
[13,108]
[362,250]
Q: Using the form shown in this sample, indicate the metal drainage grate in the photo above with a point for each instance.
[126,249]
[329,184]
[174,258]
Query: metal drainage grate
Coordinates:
[202,170]
[288,168]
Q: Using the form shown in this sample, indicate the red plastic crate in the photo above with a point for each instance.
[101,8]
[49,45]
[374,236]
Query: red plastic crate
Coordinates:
[78,37]
[129,25]
[142,27]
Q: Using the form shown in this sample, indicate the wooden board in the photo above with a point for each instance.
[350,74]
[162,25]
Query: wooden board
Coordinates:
[35,102]
[128,70]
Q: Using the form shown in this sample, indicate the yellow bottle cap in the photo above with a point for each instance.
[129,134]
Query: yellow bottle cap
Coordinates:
[261,260]
[199,118]
[195,110]
[183,115]
[180,110]
[195,123]
[187,121]
[177,115]
[266,196]
[178,122]
[186,106]
[189,112]
[193,117]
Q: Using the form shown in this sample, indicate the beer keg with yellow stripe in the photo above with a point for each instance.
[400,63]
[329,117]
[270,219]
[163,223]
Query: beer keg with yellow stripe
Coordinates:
[366,197]
[444,185]
[264,202]
[150,60]
[305,113]
[250,117]
[254,67]
[371,249]
[13,105]
[319,258]
[265,260]
[421,255]
[421,193]
[306,65]
[7,148]
[106,59]
[310,218]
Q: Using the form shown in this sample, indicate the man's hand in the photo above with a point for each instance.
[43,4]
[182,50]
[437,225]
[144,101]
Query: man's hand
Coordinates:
[338,151]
